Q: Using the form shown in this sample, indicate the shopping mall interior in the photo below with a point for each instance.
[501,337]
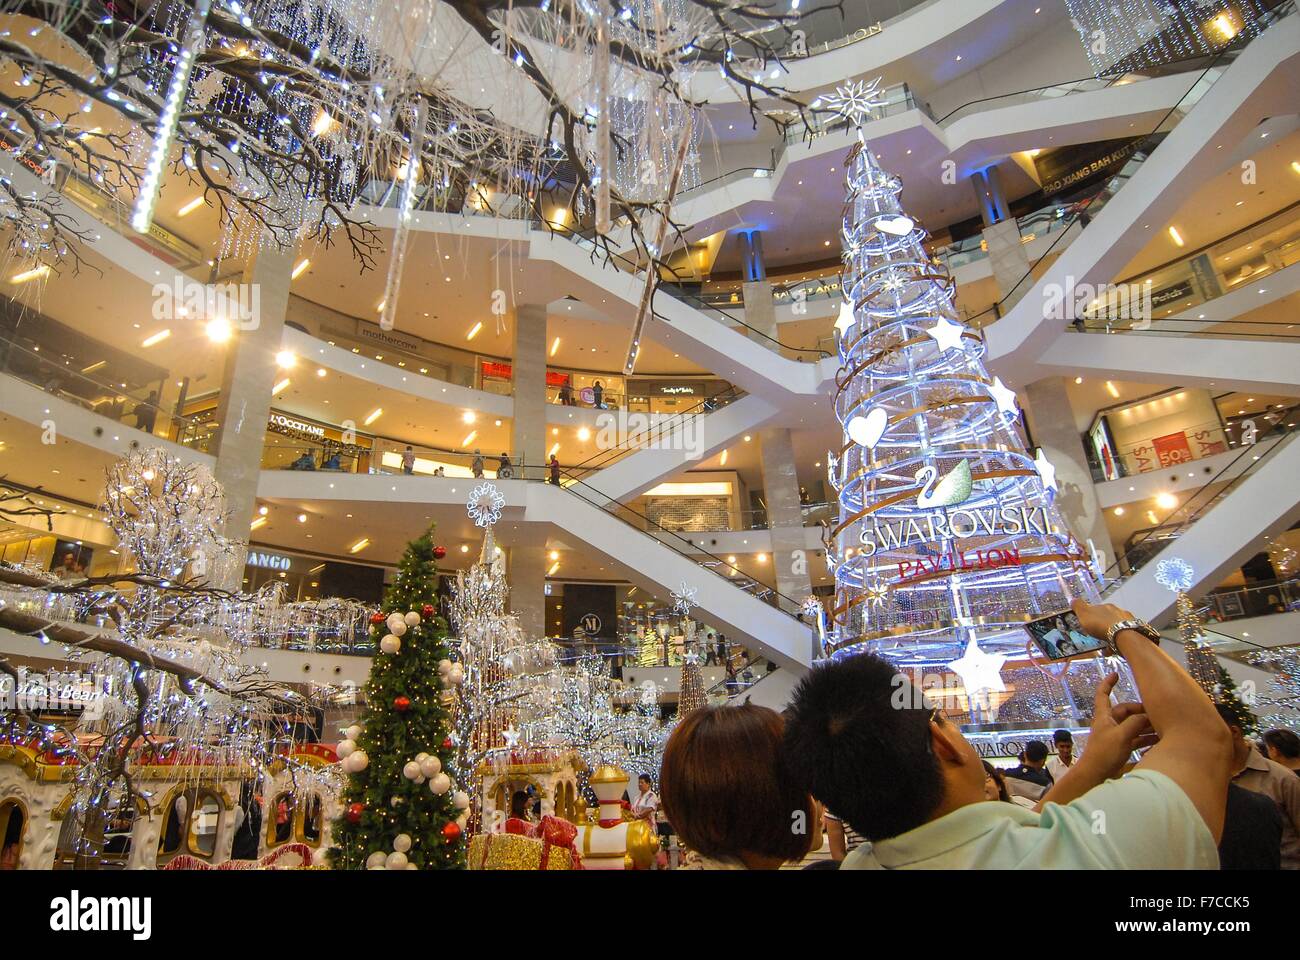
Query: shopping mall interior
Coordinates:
[288,285]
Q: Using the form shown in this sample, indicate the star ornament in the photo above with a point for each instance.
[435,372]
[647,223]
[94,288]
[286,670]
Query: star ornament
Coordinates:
[947,334]
[684,598]
[510,735]
[1046,471]
[855,101]
[845,319]
[1004,397]
[980,672]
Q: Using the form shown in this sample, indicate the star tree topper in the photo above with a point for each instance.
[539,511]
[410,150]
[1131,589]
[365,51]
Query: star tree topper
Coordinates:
[855,101]
[485,505]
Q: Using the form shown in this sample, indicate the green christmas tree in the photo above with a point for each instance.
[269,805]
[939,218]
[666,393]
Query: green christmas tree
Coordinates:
[401,809]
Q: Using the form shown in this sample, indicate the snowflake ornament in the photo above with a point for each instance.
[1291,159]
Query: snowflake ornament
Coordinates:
[855,101]
[485,505]
[684,598]
[1174,574]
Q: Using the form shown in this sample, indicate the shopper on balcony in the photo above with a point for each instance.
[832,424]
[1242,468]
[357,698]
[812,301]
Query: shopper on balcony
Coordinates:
[408,460]
[555,470]
[598,396]
[476,466]
[146,412]
[505,469]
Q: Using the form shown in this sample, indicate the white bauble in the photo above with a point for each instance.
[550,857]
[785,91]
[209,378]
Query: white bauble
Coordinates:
[411,866]
[398,628]
[420,779]
[345,748]
[463,820]
[421,757]
[390,644]
[376,860]
[353,732]
[397,861]
[444,666]
[440,784]
[358,761]
[461,799]
[412,619]
[430,766]
[394,621]
[402,842]
[456,674]
[411,770]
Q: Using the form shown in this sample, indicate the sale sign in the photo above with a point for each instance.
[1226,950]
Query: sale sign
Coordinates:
[1173,449]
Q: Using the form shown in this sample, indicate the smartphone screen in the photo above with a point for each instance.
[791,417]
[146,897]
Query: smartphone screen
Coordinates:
[1060,636]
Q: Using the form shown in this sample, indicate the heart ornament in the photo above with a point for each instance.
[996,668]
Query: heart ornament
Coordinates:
[867,431]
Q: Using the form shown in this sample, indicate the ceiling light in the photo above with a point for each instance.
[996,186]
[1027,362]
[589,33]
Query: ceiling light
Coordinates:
[262,510]
[286,360]
[553,451]
[257,523]
[1078,379]
[467,417]
[1119,511]
[555,554]
[464,548]
[321,372]
[1112,389]
[32,274]
[1177,237]
[469,438]
[299,269]
[555,345]
[473,331]
[280,387]
[1166,501]
[723,461]
[748,438]
[584,434]
[219,330]
[190,207]
[302,518]
[158,337]
[359,545]
[374,415]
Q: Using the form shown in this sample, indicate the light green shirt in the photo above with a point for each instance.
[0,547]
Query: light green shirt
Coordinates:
[1142,821]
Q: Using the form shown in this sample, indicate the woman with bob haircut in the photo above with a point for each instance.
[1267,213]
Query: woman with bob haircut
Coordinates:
[725,788]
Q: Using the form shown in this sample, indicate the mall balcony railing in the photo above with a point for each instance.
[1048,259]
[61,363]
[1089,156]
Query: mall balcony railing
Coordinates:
[1261,599]
[130,406]
[1085,209]
[1147,543]
[1263,248]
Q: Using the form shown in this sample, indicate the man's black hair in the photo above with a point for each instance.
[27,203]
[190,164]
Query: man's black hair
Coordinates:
[1062,736]
[857,737]
[1036,751]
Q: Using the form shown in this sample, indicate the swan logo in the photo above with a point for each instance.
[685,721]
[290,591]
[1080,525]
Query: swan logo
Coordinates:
[954,488]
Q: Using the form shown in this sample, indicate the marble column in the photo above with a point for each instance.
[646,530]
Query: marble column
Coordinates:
[1052,422]
[1001,235]
[528,428]
[249,375]
[527,566]
[784,517]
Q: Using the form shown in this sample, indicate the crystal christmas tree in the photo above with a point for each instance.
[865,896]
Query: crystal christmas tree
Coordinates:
[947,540]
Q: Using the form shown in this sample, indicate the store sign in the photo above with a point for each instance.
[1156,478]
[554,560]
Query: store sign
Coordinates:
[591,624]
[269,561]
[1103,448]
[1173,449]
[1062,169]
[1179,291]
[282,424]
[678,390]
[368,331]
[496,370]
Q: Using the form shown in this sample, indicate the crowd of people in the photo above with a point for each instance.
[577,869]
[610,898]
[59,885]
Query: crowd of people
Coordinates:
[894,784]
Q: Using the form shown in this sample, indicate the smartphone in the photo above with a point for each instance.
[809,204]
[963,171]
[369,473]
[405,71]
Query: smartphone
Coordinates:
[1060,636]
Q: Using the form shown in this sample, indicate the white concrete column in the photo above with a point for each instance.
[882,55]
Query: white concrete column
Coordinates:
[784,517]
[528,429]
[760,311]
[527,570]
[247,379]
[1008,259]
[1052,422]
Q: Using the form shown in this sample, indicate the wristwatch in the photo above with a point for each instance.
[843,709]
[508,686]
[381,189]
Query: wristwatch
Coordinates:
[1141,626]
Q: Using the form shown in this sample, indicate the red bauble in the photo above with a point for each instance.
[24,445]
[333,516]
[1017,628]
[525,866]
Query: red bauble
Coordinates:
[439,552]
[426,611]
[401,704]
[354,812]
[446,743]
[377,618]
[451,831]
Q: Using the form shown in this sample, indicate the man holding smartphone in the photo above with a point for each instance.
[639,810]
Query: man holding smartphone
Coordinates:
[904,777]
